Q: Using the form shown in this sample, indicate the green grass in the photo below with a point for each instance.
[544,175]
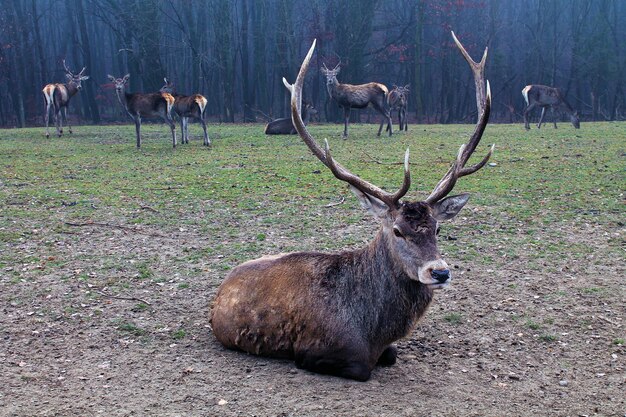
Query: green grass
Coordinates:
[453,318]
[249,191]
[131,328]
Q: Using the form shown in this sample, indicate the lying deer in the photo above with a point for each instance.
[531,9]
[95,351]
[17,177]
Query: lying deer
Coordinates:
[544,96]
[140,105]
[360,96]
[285,126]
[57,98]
[340,313]
[188,106]
[398,98]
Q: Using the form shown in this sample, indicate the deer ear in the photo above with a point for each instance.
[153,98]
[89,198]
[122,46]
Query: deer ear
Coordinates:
[449,206]
[110,77]
[406,87]
[84,77]
[373,205]
[126,77]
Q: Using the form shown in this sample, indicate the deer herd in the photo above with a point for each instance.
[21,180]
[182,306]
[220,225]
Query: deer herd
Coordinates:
[332,313]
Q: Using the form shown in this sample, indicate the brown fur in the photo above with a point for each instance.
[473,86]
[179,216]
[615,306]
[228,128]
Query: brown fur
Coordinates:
[148,105]
[358,96]
[543,96]
[186,107]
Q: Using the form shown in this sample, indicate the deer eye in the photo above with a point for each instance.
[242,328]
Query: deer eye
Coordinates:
[397,232]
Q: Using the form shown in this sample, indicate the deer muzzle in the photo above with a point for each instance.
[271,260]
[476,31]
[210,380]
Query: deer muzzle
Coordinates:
[435,274]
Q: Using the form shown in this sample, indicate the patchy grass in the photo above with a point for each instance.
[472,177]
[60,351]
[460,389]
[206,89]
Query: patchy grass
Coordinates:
[100,241]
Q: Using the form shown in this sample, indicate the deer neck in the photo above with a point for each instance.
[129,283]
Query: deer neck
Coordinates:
[399,301]
[122,97]
[71,89]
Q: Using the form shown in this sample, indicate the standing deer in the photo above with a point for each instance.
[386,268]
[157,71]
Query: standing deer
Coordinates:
[357,96]
[57,98]
[186,107]
[544,96]
[285,126]
[398,98]
[340,313]
[140,105]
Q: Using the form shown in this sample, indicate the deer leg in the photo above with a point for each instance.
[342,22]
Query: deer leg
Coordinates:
[138,130]
[388,357]
[543,112]
[67,121]
[47,120]
[346,116]
[186,129]
[553,116]
[404,120]
[207,141]
[333,364]
[172,126]
[58,122]
[528,109]
[387,115]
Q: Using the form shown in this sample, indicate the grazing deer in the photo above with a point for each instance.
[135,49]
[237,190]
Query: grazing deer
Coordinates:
[186,107]
[285,126]
[544,96]
[340,313]
[57,98]
[357,96]
[398,98]
[140,105]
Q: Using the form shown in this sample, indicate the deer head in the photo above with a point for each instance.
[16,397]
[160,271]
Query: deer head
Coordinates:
[168,87]
[331,74]
[120,83]
[409,229]
[75,79]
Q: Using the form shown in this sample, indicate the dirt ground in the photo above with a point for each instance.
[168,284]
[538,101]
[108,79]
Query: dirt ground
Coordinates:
[526,343]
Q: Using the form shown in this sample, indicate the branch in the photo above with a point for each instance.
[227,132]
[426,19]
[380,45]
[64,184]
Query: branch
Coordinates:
[117,226]
[337,203]
[379,162]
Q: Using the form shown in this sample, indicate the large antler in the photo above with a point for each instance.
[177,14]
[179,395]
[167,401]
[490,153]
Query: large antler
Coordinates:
[483,102]
[390,199]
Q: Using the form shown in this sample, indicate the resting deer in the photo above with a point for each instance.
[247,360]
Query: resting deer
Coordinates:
[340,313]
[360,96]
[57,98]
[186,107]
[398,98]
[285,126]
[544,96]
[140,105]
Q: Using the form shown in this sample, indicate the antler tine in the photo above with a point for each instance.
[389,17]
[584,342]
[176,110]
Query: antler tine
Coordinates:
[458,170]
[81,71]
[478,70]
[66,68]
[324,155]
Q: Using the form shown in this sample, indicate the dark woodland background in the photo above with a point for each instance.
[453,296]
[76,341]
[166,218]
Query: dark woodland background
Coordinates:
[235,53]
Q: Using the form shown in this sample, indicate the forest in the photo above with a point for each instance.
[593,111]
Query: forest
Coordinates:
[236,52]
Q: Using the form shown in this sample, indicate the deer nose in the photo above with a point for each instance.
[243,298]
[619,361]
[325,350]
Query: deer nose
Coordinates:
[440,275]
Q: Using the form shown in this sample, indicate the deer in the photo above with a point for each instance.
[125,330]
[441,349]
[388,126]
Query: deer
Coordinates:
[285,126]
[544,96]
[57,98]
[139,105]
[359,96]
[187,106]
[398,98]
[340,313]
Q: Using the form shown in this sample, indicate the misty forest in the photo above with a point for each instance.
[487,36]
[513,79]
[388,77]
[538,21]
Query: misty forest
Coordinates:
[236,52]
